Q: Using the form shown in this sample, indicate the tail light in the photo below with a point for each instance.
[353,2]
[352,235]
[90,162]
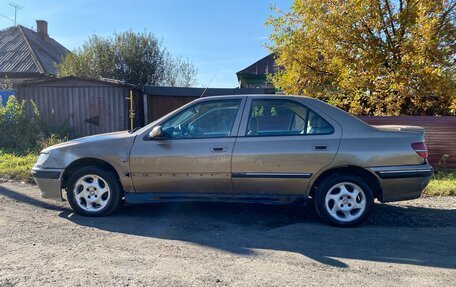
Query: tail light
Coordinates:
[421,149]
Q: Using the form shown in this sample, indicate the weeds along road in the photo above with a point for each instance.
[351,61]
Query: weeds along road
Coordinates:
[42,243]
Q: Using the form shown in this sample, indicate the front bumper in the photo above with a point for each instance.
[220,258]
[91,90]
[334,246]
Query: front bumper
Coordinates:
[49,181]
[403,182]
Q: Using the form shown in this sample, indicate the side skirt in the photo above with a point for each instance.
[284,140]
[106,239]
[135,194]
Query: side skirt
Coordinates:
[153,197]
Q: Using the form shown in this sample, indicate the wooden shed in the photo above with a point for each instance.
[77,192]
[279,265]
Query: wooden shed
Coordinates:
[86,106]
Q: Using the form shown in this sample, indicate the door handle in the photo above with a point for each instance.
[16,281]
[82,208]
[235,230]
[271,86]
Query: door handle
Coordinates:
[218,149]
[320,147]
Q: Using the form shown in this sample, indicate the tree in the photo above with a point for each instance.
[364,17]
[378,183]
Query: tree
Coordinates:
[180,73]
[134,58]
[372,57]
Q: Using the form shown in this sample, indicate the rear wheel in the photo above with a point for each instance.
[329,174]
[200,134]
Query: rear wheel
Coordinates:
[343,200]
[93,191]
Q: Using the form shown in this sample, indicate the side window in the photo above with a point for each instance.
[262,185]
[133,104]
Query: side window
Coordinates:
[284,117]
[204,120]
[317,125]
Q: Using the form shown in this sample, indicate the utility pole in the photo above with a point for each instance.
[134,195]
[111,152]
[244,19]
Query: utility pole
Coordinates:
[16,7]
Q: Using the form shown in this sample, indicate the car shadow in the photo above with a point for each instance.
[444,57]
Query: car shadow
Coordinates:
[393,234]
[20,197]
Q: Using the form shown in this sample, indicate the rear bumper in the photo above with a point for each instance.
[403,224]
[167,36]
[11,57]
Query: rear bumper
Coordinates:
[403,182]
[49,181]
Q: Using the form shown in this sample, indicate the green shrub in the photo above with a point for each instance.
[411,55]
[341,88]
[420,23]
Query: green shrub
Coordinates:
[52,139]
[25,132]
[16,129]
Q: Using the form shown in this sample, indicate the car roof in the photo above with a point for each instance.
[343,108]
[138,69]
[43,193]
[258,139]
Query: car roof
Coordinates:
[278,96]
[254,96]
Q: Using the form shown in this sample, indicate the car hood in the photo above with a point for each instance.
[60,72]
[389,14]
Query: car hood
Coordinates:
[91,139]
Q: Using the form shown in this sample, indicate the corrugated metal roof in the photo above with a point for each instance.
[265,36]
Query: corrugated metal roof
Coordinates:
[76,81]
[23,51]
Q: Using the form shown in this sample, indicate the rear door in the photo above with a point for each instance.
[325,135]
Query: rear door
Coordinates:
[281,144]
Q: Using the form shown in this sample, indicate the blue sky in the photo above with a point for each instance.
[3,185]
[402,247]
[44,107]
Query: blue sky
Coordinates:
[219,37]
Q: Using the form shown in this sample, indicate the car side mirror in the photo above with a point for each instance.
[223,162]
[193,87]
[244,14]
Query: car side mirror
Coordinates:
[156,133]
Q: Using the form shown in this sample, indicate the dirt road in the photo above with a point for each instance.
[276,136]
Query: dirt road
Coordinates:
[42,243]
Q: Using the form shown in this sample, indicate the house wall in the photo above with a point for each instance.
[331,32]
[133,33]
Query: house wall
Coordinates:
[440,133]
[255,81]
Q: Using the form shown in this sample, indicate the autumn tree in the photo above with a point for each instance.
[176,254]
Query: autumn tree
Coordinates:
[134,58]
[371,57]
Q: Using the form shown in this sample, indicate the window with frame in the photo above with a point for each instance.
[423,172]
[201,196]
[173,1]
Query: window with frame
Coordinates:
[273,117]
[203,120]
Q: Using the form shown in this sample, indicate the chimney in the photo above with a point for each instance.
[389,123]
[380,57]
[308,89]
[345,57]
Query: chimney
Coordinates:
[42,29]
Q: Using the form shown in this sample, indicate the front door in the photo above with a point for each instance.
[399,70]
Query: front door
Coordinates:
[280,146]
[194,156]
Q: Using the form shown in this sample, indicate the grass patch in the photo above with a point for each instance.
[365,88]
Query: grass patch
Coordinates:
[442,184]
[16,167]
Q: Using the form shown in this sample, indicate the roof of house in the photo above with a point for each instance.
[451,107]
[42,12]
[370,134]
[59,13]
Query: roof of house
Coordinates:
[77,81]
[264,66]
[22,50]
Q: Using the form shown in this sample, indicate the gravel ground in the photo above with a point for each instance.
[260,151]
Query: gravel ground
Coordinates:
[42,243]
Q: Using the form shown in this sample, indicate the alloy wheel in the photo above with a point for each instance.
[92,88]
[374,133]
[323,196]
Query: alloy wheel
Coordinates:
[92,193]
[345,202]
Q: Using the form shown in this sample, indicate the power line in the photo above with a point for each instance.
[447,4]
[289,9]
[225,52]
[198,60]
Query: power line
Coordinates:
[6,17]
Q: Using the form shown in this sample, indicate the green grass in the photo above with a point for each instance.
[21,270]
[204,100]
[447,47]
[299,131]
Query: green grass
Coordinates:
[442,184]
[17,167]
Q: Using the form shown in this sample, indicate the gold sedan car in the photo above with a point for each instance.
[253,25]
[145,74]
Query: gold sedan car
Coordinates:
[244,148]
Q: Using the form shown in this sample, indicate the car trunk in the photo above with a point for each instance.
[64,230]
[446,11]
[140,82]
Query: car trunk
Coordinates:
[400,128]
[413,136]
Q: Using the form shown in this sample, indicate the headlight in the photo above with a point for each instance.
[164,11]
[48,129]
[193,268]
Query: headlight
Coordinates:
[42,158]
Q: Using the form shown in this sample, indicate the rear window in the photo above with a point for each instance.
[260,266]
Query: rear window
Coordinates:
[277,117]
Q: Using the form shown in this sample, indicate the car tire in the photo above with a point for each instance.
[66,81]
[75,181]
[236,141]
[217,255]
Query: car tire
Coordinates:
[94,191]
[344,200]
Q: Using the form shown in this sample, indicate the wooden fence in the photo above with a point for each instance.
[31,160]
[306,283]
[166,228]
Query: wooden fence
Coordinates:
[440,134]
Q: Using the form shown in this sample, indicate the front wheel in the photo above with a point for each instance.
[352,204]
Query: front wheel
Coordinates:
[93,191]
[344,200]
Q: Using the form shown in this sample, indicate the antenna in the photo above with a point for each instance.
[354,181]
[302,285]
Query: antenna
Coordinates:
[216,72]
[16,7]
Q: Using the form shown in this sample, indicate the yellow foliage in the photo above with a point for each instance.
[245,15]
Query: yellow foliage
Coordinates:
[453,107]
[372,57]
